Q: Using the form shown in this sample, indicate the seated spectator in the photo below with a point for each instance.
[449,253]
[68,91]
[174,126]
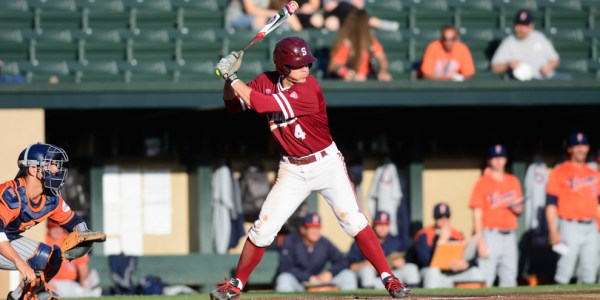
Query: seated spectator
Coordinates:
[254,14]
[303,257]
[527,53]
[426,241]
[309,14]
[10,78]
[74,278]
[447,58]
[336,12]
[393,249]
[352,51]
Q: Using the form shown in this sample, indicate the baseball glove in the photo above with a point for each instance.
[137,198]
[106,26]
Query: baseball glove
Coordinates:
[79,243]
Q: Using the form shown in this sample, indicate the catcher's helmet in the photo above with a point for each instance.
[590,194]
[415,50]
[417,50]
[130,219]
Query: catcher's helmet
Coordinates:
[41,155]
[291,51]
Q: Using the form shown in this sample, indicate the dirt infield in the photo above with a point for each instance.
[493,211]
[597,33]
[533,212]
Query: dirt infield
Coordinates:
[583,294]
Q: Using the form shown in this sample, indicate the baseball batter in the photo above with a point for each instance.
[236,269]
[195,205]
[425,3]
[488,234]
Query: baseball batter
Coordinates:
[496,201]
[32,197]
[572,197]
[295,109]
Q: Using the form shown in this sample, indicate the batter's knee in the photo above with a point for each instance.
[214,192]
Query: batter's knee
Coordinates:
[260,235]
[352,222]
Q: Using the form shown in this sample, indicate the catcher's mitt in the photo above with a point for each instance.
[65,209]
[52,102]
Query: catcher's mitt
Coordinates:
[79,243]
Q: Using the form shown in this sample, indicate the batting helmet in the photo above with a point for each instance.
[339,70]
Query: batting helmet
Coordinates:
[291,51]
[42,155]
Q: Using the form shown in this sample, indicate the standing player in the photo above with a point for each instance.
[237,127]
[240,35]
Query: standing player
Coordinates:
[572,195]
[294,105]
[32,197]
[496,201]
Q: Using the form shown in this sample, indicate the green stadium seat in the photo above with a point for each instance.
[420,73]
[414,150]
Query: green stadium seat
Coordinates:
[41,72]
[200,50]
[14,52]
[97,71]
[16,19]
[59,20]
[56,5]
[565,34]
[474,13]
[431,14]
[577,68]
[148,5]
[155,20]
[14,6]
[145,71]
[100,50]
[573,49]
[197,35]
[194,70]
[321,38]
[388,10]
[153,51]
[99,19]
[202,19]
[196,4]
[401,69]
[11,68]
[103,5]
[394,44]
[97,35]
[57,35]
[11,36]
[486,75]
[50,50]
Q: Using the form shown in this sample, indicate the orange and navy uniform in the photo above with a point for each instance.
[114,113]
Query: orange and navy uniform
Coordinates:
[575,191]
[19,213]
[493,197]
[426,240]
[68,268]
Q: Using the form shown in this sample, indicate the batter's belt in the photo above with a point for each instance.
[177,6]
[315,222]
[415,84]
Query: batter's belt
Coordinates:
[305,160]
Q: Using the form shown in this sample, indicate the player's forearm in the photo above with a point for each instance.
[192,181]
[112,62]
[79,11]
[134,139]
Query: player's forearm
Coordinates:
[477,213]
[500,68]
[10,253]
[551,214]
[242,90]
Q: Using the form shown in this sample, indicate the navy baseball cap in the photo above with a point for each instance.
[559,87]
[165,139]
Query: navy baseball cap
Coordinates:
[497,150]
[311,220]
[578,138]
[381,217]
[524,17]
[441,210]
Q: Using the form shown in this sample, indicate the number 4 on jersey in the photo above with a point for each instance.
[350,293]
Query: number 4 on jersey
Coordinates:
[299,133]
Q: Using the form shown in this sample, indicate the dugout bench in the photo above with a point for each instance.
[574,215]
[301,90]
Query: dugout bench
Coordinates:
[196,270]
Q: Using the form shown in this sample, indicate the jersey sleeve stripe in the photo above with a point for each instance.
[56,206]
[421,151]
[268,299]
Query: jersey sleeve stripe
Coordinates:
[287,104]
[285,114]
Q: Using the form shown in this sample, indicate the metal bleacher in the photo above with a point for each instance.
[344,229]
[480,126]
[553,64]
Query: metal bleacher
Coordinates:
[181,40]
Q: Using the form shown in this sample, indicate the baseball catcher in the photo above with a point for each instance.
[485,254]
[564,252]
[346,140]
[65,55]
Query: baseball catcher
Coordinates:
[32,197]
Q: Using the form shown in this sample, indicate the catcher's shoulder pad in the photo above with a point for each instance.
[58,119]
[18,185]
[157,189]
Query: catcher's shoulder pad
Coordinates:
[79,243]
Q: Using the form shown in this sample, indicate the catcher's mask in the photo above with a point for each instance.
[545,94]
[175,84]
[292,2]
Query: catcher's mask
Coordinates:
[45,156]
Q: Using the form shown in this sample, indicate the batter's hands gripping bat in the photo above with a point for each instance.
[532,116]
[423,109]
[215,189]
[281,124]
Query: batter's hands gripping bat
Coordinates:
[273,23]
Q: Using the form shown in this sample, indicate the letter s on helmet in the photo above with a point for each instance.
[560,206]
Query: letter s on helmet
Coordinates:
[291,51]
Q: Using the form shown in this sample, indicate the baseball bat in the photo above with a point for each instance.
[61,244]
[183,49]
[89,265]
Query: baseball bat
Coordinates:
[272,23]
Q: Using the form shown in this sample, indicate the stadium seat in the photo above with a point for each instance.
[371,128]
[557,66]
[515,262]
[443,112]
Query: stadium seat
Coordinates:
[59,20]
[201,19]
[239,39]
[100,19]
[431,14]
[194,70]
[153,51]
[508,8]
[45,5]
[148,5]
[96,71]
[573,49]
[388,10]
[11,36]
[577,68]
[145,71]
[11,68]
[154,20]
[474,13]
[41,71]
[195,4]
[14,6]
[104,5]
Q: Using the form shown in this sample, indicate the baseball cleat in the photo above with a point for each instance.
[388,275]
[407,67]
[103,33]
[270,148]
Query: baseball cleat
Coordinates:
[396,288]
[227,289]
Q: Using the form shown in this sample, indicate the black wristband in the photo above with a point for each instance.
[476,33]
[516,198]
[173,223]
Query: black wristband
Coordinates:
[231,78]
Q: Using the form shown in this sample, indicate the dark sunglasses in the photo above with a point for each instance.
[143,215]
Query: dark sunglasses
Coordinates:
[454,38]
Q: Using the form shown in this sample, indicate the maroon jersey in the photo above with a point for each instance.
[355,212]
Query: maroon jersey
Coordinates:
[297,115]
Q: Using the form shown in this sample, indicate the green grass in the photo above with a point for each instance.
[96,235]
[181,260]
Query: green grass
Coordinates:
[416,292]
